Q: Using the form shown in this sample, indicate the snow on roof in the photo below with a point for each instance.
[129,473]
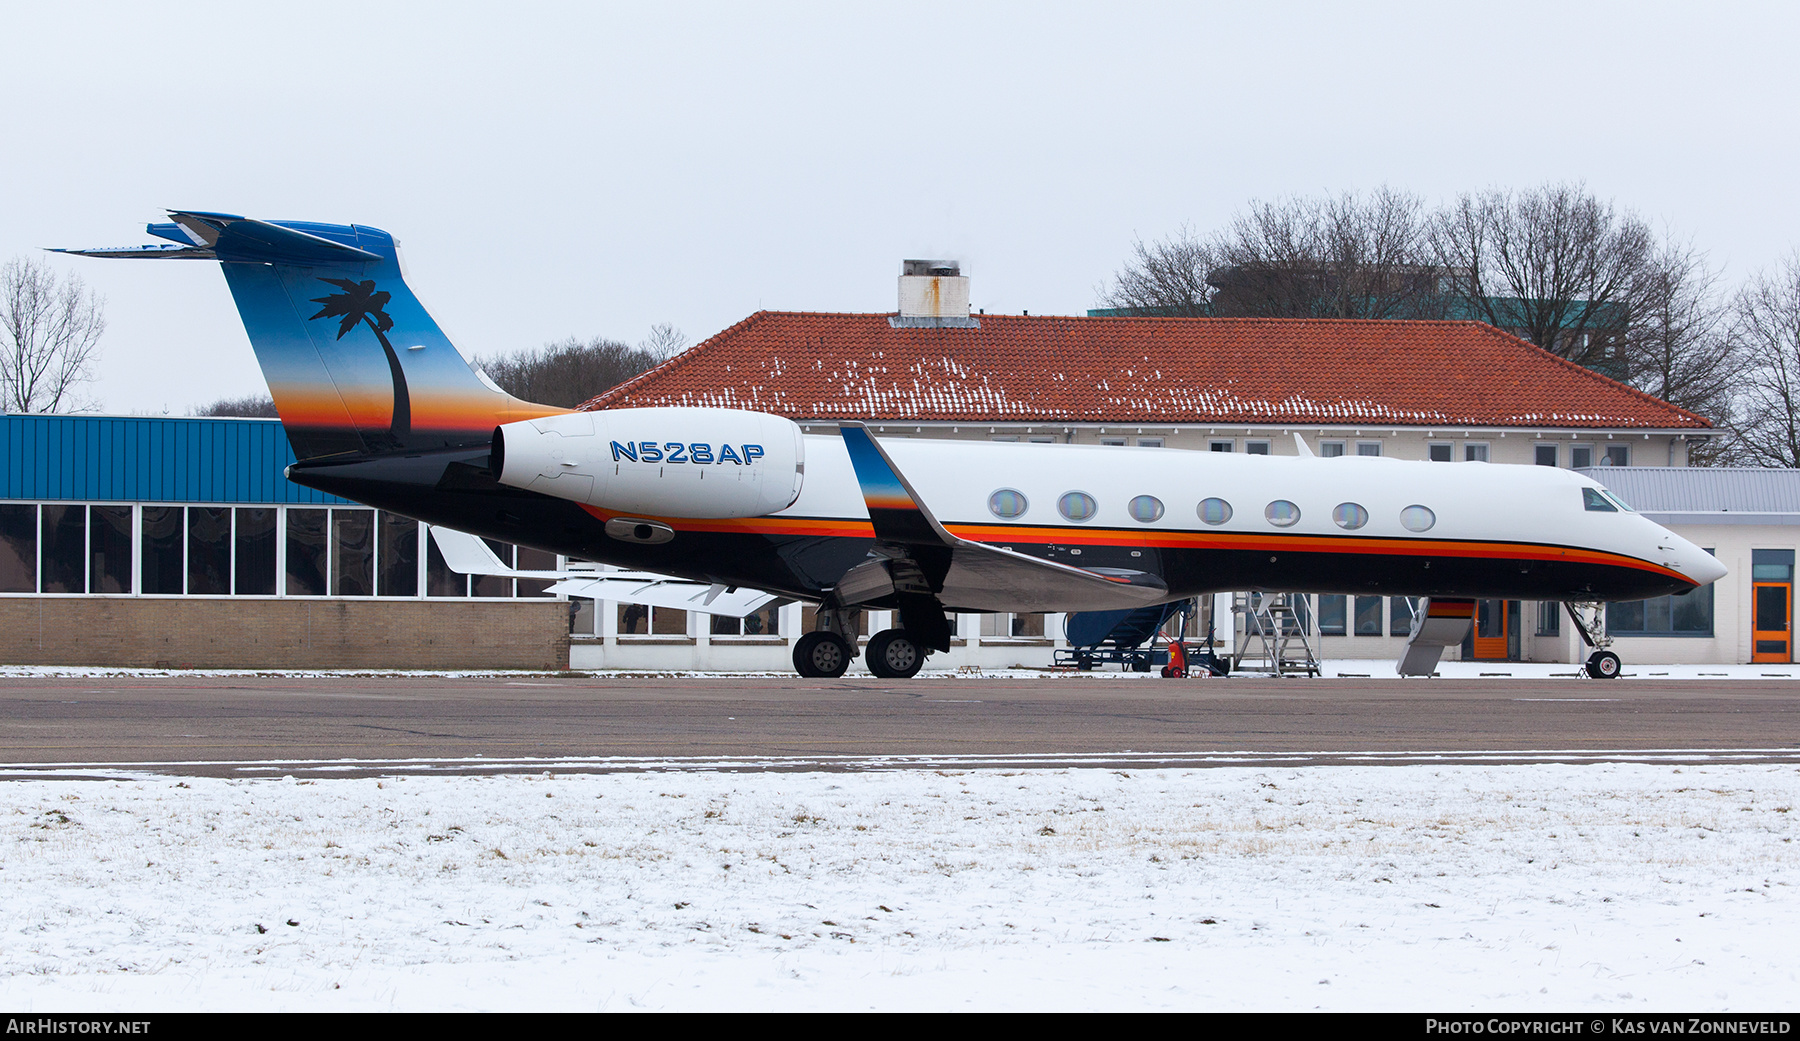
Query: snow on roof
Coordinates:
[1172,370]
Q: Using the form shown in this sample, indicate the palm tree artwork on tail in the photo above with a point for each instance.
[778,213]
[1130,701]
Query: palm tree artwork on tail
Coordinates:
[359,302]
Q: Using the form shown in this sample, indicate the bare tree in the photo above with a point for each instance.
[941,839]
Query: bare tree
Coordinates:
[1766,326]
[1343,256]
[571,372]
[252,406]
[664,342]
[1552,264]
[1167,278]
[49,338]
[1680,346]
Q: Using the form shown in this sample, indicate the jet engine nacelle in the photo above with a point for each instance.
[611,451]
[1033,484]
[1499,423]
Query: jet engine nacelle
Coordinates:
[711,463]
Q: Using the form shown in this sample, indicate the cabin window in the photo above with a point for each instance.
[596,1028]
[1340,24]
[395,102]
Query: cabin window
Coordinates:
[1215,511]
[1007,503]
[1350,516]
[1282,513]
[1594,502]
[1417,518]
[1076,506]
[1146,508]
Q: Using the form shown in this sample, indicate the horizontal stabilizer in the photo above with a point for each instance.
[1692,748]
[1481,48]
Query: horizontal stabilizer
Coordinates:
[469,555]
[637,587]
[230,238]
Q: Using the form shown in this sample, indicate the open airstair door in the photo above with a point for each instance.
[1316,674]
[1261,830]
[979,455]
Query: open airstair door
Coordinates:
[919,558]
[1440,624]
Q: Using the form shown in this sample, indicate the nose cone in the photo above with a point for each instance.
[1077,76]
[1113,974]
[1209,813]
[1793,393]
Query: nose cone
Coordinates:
[1689,559]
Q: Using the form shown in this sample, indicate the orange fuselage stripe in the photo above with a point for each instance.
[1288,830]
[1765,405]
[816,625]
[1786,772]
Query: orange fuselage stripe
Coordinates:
[1158,539]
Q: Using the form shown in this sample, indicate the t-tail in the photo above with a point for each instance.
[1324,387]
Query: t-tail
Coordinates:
[355,364]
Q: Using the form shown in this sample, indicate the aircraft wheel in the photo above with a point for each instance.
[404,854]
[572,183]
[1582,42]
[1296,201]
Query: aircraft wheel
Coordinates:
[822,655]
[1604,665]
[893,654]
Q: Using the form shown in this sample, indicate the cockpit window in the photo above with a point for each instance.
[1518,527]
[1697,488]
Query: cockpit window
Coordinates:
[1594,502]
[1613,497]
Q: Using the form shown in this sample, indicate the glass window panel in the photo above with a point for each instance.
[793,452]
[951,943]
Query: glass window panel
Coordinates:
[160,549]
[1438,453]
[634,620]
[209,550]
[65,548]
[1546,455]
[1028,625]
[1368,448]
[1618,455]
[1331,449]
[494,585]
[1475,453]
[1692,612]
[767,622]
[352,552]
[1368,616]
[307,552]
[1581,456]
[399,555]
[725,625]
[1549,618]
[18,548]
[1256,448]
[1219,446]
[1333,612]
[1625,616]
[1400,616]
[581,617]
[1772,565]
[535,560]
[666,622]
[255,540]
[109,549]
[439,579]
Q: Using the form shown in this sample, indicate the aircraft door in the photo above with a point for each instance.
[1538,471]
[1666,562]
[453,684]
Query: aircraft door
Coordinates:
[1771,605]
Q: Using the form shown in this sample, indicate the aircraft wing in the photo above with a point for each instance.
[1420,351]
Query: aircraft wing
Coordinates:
[975,576]
[469,555]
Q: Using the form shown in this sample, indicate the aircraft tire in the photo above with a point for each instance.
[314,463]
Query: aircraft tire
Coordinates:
[822,655]
[1604,665]
[893,654]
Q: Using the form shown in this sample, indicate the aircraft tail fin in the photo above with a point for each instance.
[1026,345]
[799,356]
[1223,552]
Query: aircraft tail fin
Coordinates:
[353,360]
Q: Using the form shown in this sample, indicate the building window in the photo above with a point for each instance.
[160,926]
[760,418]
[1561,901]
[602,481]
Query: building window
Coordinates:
[1690,614]
[1400,616]
[1012,626]
[398,551]
[109,549]
[1333,611]
[1113,442]
[1438,452]
[1256,448]
[63,541]
[1581,456]
[765,622]
[160,549]
[1219,446]
[1368,616]
[254,542]
[1331,449]
[1475,452]
[1617,455]
[1150,442]
[18,548]
[1550,618]
[1546,455]
[644,620]
[1368,448]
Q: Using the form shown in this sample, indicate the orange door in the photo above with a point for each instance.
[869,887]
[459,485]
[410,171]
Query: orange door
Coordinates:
[1490,630]
[1771,607]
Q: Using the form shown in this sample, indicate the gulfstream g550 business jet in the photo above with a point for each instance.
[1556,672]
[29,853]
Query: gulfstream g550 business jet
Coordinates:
[382,409]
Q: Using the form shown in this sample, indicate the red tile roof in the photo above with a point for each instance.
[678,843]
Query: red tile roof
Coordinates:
[1023,369]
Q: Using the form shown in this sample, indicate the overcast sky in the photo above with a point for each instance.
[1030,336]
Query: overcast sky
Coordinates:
[560,170]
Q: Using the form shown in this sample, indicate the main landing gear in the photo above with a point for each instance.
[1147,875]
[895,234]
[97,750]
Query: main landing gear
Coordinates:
[892,654]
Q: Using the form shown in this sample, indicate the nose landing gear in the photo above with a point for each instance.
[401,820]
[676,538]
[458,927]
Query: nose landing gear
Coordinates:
[1590,622]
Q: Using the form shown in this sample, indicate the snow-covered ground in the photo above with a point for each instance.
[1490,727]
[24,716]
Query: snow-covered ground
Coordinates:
[1607,886]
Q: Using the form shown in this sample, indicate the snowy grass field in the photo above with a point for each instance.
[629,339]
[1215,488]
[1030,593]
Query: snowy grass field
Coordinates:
[1615,886]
